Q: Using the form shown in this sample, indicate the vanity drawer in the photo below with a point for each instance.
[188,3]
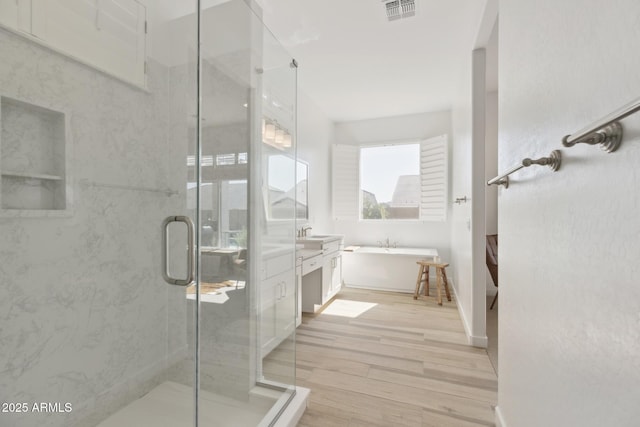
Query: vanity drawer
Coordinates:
[278,264]
[310,264]
[329,247]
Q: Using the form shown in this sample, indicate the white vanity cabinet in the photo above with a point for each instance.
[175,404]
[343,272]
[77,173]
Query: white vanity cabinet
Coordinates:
[311,280]
[277,301]
[331,273]
[298,290]
[322,277]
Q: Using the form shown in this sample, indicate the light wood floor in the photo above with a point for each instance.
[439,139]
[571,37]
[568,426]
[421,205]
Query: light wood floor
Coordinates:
[399,363]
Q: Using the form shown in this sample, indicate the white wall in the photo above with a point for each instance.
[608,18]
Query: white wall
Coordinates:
[491,163]
[469,116]
[315,135]
[491,170]
[375,131]
[468,224]
[461,187]
[491,140]
[569,241]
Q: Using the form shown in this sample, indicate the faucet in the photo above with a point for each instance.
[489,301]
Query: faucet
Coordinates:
[387,243]
[303,231]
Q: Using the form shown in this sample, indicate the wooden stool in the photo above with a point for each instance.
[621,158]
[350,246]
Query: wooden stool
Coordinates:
[441,276]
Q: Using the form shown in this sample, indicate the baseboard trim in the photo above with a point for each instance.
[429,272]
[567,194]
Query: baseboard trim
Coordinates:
[480,342]
[473,340]
[499,418]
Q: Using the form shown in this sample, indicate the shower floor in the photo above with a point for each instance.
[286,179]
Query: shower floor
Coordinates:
[171,405]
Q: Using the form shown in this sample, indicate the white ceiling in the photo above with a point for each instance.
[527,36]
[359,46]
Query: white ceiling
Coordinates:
[356,65]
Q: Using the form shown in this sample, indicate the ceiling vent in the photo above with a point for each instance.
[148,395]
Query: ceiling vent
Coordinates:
[398,9]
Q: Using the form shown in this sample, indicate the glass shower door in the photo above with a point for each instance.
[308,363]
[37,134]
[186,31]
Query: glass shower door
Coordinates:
[92,161]
[246,286]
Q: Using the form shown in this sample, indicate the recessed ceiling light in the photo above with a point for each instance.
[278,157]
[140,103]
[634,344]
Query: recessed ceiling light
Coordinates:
[245,105]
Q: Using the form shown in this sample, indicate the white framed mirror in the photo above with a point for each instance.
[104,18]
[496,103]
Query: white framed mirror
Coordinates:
[287,188]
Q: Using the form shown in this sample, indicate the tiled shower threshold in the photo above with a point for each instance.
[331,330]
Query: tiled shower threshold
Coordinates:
[171,405]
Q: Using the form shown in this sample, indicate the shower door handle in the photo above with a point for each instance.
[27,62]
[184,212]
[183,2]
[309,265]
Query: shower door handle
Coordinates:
[191,264]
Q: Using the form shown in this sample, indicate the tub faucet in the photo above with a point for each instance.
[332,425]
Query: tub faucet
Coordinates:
[387,243]
[381,244]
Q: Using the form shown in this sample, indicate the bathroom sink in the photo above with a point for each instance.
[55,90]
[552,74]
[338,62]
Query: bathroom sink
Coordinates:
[319,237]
[315,239]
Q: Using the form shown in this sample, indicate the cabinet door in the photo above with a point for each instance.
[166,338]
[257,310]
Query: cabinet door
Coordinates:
[16,14]
[9,13]
[109,34]
[327,269]
[277,310]
[336,274]
[268,317]
[298,295]
[286,307]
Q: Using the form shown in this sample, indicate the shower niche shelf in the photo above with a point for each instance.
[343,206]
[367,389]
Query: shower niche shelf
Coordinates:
[33,159]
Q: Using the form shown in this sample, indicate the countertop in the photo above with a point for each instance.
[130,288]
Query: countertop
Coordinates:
[320,238]
[307,253]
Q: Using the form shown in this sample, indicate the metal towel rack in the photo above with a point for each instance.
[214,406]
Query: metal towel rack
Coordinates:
[553,161]
[167,191]
[606,132]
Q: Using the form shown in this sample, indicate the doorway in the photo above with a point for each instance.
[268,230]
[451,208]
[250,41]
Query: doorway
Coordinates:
[491,192]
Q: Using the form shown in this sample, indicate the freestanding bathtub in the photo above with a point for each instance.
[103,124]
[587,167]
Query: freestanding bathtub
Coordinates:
[386,269]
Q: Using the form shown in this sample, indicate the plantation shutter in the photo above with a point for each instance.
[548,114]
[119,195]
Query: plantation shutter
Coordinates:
[345,184]
[433,179]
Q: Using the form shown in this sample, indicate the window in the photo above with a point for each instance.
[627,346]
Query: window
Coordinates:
[287,188]
[223,205]
[225,159]
[391,182]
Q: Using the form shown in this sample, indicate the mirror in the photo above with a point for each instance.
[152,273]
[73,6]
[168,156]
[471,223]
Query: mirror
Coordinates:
[287,188]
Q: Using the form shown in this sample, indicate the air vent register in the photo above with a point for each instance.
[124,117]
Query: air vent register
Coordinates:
[398,9]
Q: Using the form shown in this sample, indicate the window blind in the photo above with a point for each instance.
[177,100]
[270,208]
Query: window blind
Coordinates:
[434,179]
[346,192]
[345,183]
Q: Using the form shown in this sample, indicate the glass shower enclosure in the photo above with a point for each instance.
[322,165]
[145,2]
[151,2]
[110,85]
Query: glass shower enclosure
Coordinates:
[147,215]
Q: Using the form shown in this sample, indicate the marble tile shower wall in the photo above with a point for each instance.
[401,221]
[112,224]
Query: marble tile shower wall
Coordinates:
[83,309]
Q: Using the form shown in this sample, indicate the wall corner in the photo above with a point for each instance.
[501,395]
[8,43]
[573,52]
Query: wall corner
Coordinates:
[499,419]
